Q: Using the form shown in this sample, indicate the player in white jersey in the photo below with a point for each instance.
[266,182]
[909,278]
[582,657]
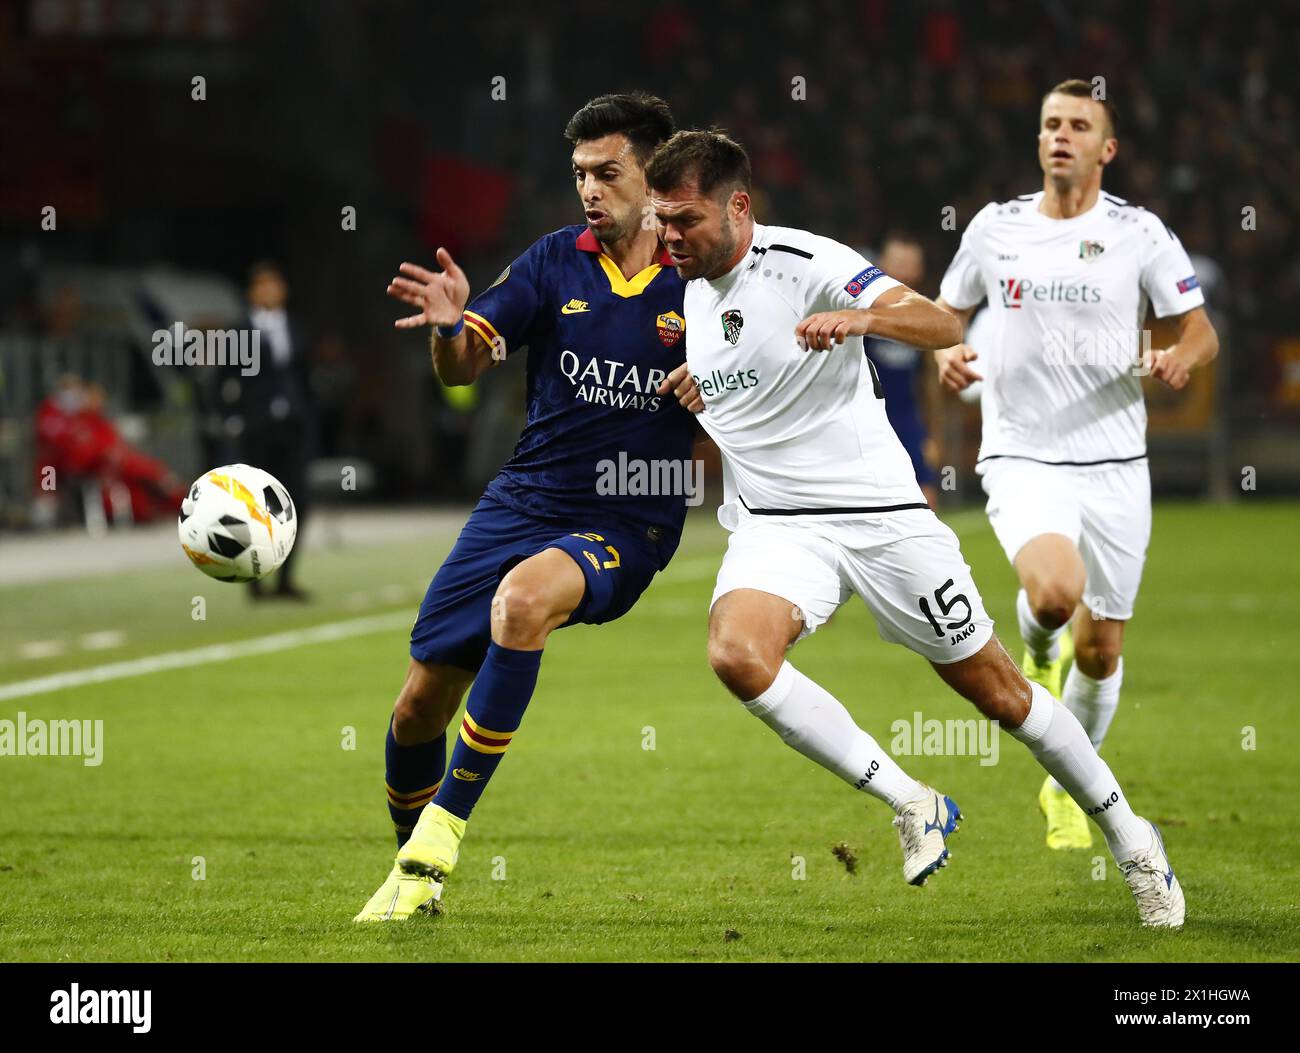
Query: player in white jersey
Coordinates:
[822,502]
[1068,274]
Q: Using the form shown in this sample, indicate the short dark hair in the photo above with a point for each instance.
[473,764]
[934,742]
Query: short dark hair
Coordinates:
[1081,89]
[645,119]
[714,160]
[261,268]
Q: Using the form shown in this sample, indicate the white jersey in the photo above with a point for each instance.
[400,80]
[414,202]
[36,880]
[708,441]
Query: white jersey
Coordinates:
[979,337]
[801,432]
[1067,299]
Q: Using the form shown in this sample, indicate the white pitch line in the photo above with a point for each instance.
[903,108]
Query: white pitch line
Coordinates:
[41,648]
[103,640]
[284,641]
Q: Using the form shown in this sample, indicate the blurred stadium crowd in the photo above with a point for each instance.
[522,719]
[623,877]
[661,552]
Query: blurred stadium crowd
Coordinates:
[440,125]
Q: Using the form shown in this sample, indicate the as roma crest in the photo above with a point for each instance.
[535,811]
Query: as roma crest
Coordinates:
[670,326]
[732,323]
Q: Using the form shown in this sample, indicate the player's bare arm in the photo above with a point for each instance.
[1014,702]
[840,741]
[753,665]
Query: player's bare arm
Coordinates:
[1198,345]
[440,299]
[954,373]
[899,314]
[962,314]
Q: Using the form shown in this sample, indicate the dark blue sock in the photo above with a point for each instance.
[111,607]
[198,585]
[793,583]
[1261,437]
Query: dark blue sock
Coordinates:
[496,705]
[413,774]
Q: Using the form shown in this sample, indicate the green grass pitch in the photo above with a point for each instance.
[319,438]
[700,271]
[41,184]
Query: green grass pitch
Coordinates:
[589,845]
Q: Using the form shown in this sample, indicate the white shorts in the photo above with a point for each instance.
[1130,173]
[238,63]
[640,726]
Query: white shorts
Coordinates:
[906,566]
[1104,509]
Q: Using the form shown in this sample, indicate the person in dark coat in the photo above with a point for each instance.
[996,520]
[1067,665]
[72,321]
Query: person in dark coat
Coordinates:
[275,405]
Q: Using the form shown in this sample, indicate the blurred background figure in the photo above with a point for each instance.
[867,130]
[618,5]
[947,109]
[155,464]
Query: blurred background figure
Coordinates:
[276,426]
[454,417]
[332,384]
[80,450]
[906,384]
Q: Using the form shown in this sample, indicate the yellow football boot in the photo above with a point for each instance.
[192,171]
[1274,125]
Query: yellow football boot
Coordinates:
[433,845]
[402,895]
[1067,826]
[1050,674]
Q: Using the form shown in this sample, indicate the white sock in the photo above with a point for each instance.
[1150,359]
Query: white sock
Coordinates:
[1093,702]
[811,720]
[1058,742]
[1043,643]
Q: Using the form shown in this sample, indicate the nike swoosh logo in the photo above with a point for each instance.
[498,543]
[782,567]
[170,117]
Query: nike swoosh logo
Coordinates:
[936,825]
[566,309]
[1169,873]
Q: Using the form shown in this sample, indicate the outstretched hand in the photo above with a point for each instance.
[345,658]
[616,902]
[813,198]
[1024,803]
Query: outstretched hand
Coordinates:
[439,297]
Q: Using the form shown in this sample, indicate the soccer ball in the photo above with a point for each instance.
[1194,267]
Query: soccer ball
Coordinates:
[237,523]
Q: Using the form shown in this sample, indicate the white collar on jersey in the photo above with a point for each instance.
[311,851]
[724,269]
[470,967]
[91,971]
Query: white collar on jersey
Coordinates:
[1036,201]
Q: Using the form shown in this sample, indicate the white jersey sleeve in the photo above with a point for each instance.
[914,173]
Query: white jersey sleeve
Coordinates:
[841,279]
[1169,279]
[963,283]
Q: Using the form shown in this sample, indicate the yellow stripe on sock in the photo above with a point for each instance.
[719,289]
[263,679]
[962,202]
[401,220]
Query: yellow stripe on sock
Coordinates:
[413,800]
[482,747]
[412,793]
[481,739]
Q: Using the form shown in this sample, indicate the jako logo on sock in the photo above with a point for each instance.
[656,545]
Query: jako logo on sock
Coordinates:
[1112,799]
[866,777]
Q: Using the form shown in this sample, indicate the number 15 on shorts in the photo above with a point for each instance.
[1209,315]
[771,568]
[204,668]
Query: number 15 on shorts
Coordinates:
[946,606]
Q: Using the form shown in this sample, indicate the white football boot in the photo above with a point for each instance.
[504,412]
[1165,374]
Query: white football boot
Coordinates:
[1151,880]
[923,828]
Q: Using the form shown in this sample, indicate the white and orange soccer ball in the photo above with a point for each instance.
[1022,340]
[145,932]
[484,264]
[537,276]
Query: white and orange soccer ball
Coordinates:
[237,523]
